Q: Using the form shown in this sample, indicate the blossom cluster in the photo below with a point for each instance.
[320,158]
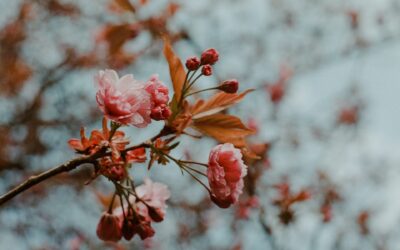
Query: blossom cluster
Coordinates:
[126,101]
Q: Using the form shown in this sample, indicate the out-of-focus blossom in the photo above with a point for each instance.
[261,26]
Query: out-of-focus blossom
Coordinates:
[276,92]
[225,174]
[243,211]
[109,228]
[286,199]
[326,212]
[362,221]
[349,115]
[123,100]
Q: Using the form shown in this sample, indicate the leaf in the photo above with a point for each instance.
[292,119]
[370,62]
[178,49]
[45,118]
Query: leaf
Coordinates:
[216,103]
[176,70]
[223,128]
[117,35]
[125,5]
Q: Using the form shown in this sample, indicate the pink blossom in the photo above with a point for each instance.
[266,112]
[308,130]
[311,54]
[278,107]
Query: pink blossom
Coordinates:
[154,194]
[225,174]
[109,228]
[124,99]
[157,90]
[150,206]
[159,98]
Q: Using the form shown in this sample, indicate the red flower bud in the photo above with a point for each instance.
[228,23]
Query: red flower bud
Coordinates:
[209,56]
[220,203]
[206,70]
[144,229]
[128,230]
[116,173]
[161,112]
[109,228]
[192,63]
[229,86]
[155,214]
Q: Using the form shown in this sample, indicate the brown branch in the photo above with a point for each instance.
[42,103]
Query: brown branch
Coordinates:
[68,166]
[36,179]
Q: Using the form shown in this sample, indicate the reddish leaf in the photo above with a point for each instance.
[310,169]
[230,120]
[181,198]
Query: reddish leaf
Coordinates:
[223,128]
[176,70]
[117,35]
[216,104]
[125,5]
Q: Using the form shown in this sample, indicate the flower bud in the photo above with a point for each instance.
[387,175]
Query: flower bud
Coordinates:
[161,112]
[206,70]
[155,214]
[128,230]
[209,56]
[117,173]
[109,228]
[192,63]
[142,226]
[229,86]
[220,203]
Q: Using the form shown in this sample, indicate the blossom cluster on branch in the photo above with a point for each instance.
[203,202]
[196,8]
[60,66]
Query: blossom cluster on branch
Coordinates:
[126,101]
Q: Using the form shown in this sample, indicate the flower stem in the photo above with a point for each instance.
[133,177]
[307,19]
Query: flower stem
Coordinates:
[196,92]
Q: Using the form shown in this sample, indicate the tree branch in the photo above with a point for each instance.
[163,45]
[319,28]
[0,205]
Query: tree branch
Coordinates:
[36,179]
[68,166]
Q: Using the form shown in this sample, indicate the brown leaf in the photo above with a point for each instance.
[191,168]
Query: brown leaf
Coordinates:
[117,35]
[62,9]
[216,103]
[223,128]
[176,70]
[249,154]
[125,5]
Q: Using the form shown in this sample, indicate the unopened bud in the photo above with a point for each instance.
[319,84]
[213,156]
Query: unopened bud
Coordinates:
[192,63]
[229,86]
[161,112]
[206,70]
[109,228]
[209,56]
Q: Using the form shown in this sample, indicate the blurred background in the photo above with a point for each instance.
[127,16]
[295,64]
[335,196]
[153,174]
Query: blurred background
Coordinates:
[326,111]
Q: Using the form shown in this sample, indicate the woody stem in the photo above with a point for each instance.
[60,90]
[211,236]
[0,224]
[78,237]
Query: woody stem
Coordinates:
[68,166]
